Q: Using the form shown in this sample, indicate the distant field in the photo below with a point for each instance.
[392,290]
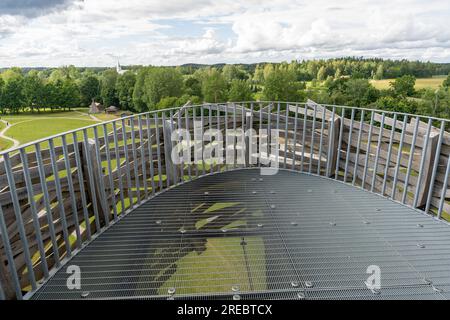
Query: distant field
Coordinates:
[27,127]
[421,83]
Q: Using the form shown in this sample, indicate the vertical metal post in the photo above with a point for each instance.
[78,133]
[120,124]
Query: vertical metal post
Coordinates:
[194,119]
[186,115]
[110,174]
[305,117]
[243,150]
[127,163]
[369,142]
[388,158]
[19,220]
[286,134]
[158,150]
[79,166]
[358,148]
[103,203]
[313,131]
[220,131]
[143,162]
[119,168]
[180,142]
[435,166]
[174,167]
[150,153]
[135,161]
[71,192]
[349,144]
[167,140]
[422,162]
[294,155]
[330,144]
[377,155]
[341,133]
[399,157]
[48,209]
[203,146]
[10,256]
[324,116]
[234,137]
[410,161]
[251,150]
[31,201]
[260,134]
[62,212]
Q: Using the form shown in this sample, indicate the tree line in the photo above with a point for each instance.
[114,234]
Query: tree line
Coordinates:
[335,81]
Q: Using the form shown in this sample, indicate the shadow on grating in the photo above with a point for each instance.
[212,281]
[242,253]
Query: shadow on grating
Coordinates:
[240,235]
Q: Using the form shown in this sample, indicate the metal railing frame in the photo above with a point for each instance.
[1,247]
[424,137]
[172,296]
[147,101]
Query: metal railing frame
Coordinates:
[155,124]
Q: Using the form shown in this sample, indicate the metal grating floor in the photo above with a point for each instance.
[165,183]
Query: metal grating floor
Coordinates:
[241,235]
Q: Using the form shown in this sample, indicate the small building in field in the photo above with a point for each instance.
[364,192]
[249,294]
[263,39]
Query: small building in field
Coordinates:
[96,107]
[112,110]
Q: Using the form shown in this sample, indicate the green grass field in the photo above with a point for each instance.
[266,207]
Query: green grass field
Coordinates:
[28,127]
[421,83]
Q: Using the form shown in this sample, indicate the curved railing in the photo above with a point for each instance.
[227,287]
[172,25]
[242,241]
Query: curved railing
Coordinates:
[59,193]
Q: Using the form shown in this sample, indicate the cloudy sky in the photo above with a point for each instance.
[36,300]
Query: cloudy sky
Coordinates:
[172,32]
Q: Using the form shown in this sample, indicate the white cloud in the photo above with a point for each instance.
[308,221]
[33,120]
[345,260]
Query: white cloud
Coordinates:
[94,31]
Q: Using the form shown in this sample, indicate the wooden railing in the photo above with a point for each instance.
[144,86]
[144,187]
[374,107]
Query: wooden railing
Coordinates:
[59,193]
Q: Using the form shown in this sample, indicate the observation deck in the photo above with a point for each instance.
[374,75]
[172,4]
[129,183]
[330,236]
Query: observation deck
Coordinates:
[349,191]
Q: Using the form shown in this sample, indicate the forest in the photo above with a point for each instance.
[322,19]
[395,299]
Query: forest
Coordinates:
[345,81]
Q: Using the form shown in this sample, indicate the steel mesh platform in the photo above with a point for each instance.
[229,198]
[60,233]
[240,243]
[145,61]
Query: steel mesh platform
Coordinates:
[242,235]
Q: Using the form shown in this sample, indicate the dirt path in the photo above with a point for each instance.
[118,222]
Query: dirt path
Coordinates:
[2,135]
[90,115]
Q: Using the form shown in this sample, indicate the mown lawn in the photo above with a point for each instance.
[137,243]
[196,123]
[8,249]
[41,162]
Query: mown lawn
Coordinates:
[41,128]
[28,127]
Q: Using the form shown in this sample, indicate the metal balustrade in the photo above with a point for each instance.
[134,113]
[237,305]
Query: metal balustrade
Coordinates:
[60,193]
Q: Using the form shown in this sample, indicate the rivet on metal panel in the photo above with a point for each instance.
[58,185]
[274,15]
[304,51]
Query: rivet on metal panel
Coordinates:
[366,222]
[224,230]
[293,223]
[171,290]
[419,225]
[260,225]
[235,288]
[378,209]
[254,192]
[436,289]
[295,284]
[85,294]
[375,291]
[301,295]
[273,206]
[206,193]
[421,245]
[309,284]
[158,222]
[183,231]
[236,297]
[332,224]
[272,191]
